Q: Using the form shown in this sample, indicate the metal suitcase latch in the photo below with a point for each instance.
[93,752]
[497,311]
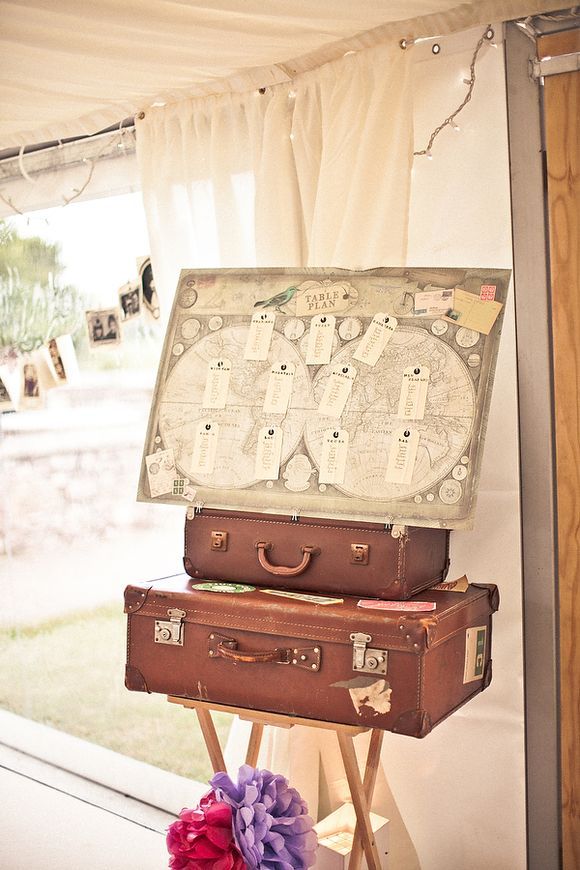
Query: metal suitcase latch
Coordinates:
[365,659]
[359,554]
[219,540]
[170,631]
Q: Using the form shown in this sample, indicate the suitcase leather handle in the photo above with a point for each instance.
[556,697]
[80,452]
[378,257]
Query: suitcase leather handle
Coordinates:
[284,570]
[227,648]
[282,656]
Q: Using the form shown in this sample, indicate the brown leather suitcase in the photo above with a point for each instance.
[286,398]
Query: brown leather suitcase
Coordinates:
[399,671]
[321,556]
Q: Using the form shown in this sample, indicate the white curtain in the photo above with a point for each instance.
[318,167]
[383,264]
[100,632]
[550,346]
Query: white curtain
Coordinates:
[315,172]
[312,172]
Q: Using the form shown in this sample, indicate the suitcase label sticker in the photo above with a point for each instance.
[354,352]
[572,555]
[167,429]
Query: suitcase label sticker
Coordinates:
[474,653]
[299,596]
[366,692]
[224,587]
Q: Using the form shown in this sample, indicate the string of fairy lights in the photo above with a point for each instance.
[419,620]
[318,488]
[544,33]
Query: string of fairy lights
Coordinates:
[487,37]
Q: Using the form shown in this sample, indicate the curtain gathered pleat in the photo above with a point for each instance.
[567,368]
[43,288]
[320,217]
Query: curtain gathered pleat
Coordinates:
[312,172]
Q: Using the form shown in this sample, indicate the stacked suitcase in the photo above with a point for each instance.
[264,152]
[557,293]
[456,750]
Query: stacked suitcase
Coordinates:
[322,618]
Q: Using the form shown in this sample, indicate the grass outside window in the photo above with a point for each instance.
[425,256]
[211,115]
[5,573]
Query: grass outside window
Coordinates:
[68,673]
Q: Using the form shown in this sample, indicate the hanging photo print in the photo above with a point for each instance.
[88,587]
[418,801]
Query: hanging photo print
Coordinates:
[30,390]
[62,359]
[104,327]
[6,403]
[149,292]
[130,300]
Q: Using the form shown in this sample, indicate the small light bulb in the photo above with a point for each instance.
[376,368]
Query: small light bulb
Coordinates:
[429,155]
[455,126]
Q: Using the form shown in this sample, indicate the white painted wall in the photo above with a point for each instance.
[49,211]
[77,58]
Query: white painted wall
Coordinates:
[460,791]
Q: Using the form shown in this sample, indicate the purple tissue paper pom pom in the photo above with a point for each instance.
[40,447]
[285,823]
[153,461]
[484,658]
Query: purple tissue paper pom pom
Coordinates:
[272,828]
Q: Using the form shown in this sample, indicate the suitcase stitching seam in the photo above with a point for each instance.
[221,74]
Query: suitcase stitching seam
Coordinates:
[390,643]
[301,525]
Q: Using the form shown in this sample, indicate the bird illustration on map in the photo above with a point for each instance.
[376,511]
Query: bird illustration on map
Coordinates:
[278,300]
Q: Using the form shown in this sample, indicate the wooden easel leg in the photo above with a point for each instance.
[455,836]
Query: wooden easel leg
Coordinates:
[361,806]
[211,739]
[254,743]
[370,778]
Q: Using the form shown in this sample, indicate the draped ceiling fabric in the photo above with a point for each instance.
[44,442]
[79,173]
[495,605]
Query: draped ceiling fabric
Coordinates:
[69,68]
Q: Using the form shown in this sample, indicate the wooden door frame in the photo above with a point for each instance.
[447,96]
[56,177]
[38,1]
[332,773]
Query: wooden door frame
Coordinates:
[539,523]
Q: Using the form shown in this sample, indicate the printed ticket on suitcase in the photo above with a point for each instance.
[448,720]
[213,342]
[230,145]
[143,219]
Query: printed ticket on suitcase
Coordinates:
[370,354]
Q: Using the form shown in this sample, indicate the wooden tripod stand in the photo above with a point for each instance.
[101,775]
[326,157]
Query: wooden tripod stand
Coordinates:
[361,790]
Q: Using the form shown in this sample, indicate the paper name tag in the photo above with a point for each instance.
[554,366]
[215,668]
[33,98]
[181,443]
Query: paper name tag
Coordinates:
[413,395]
[400,606]
[279,389]
[337,391]
[334,455]
[433,301]
[268,453]
[319,349]
[402,456]
[217,383]
[260,335]
[379,333]
[205,447]
[161,472]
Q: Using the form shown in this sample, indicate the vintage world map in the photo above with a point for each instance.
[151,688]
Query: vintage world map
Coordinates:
[211,320]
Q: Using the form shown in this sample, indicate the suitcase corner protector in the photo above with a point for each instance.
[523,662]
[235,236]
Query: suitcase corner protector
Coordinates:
[413,723]
[189,566]
[487,675]
[135,597]
[134,680]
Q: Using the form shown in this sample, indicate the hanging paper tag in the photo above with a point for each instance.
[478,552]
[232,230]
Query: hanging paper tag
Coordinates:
[402,456]
[205,447]
[379,333]
[260,335]
[217,383]
[320,337]
[268,454]
[413,394]
[334,454]
[337,391]
[279,389]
